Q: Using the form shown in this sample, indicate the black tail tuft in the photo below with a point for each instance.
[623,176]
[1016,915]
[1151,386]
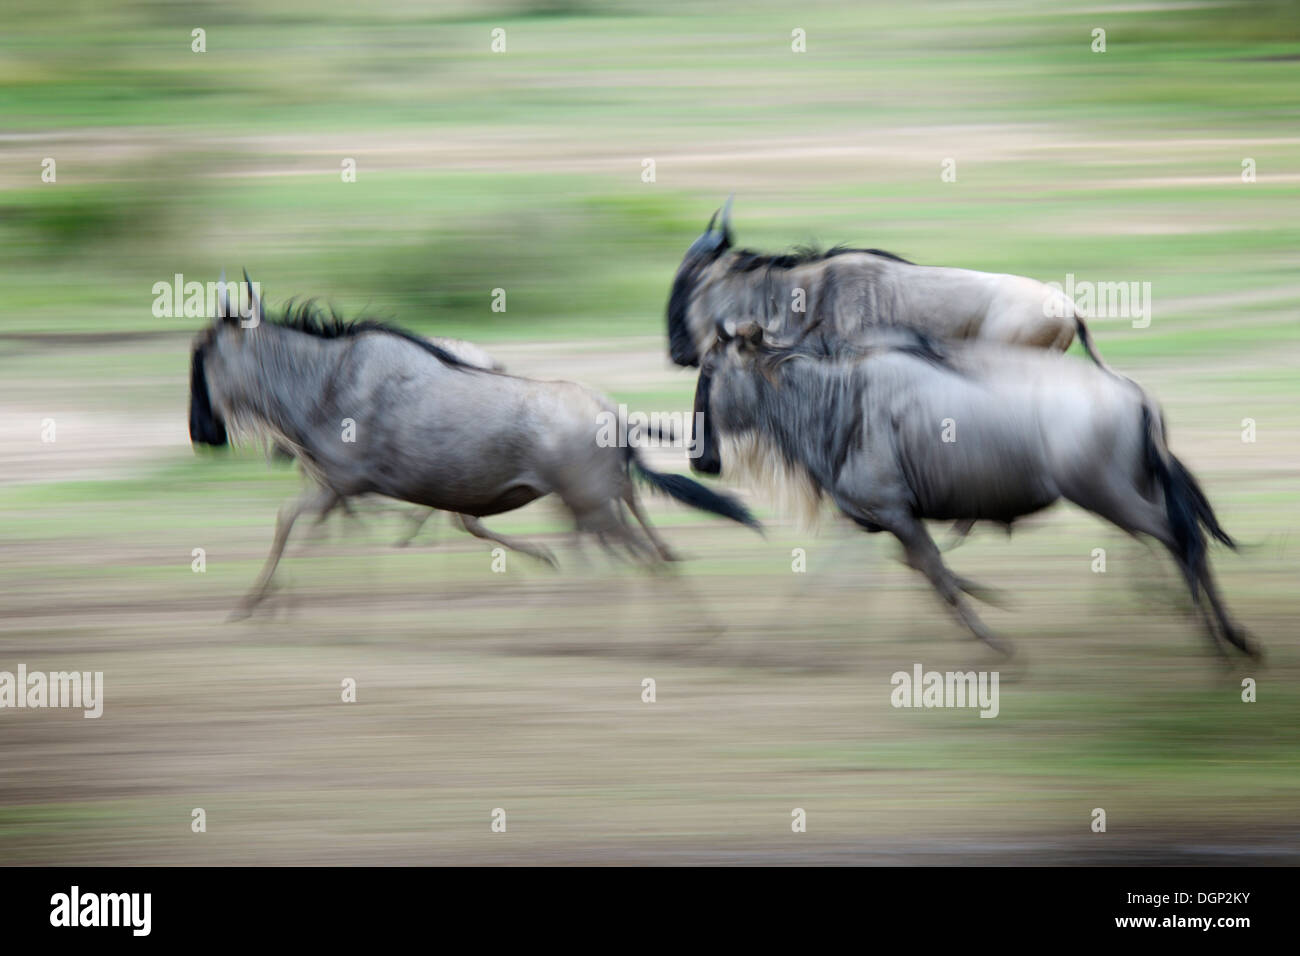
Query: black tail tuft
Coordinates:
[1189,511]
[691,492]
[1085,339]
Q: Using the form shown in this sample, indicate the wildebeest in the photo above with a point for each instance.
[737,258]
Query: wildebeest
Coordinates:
[836,294]
[907,429]
[369,408]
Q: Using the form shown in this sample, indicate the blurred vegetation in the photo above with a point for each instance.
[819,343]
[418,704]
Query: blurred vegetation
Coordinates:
[230,158]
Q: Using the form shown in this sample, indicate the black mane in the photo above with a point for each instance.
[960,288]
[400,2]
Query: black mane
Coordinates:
[746,260]
[310,319]
[890,337]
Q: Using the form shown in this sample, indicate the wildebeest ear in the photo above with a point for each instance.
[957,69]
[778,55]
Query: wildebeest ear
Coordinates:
[751,333]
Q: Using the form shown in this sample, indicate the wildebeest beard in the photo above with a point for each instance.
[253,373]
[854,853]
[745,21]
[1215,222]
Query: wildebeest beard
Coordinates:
[806,421]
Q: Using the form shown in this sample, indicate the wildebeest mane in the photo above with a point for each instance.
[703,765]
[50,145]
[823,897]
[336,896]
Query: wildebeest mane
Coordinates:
[746,260]
[807,423]
[809,419]
[886,337]
[311,319]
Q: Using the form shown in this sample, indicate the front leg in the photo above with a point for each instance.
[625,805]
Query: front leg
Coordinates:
[417,519]
[478,530]
[923,555]
[321,500]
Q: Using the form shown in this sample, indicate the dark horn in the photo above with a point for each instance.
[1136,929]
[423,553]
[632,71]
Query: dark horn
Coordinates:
[223,297]
[254,300]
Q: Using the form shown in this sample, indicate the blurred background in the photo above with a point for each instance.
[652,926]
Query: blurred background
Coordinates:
[523,170]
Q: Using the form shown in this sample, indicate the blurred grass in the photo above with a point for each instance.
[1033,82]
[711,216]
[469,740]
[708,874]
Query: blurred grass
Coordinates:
[580,253]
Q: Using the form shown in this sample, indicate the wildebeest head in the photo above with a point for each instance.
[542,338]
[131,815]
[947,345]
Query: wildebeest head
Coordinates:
[725,394]
[713,242]
[207,426]
[763,429]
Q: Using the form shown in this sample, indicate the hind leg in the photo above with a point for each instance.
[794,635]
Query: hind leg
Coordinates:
[604,519]
[1125,508]
[477,529]
[1231,631]
[629,496]
[625,534]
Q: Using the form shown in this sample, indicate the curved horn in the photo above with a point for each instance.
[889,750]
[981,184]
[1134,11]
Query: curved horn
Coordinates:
[254,300]
[712,219]
[223,297]
[726,215]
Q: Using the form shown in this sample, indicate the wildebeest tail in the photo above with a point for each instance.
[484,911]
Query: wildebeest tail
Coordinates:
[1085,339]
[1189,511]
[691,492]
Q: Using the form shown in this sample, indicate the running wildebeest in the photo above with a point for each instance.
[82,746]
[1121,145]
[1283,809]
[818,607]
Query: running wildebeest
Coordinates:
[838,293]
[369,408]
[907,429]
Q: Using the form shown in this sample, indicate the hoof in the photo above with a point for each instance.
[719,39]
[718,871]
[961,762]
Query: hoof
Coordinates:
[241,613]
[245,608]
[1001,648]
[546,557]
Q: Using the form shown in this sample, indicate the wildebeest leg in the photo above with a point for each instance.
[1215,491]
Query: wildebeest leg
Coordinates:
[478,530]
[648,553]
[1235,634]
[982,592]
[613,528]
[322,500]
[960,531]
[923,555]
[1123,506]
[417,520]
[665,552]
